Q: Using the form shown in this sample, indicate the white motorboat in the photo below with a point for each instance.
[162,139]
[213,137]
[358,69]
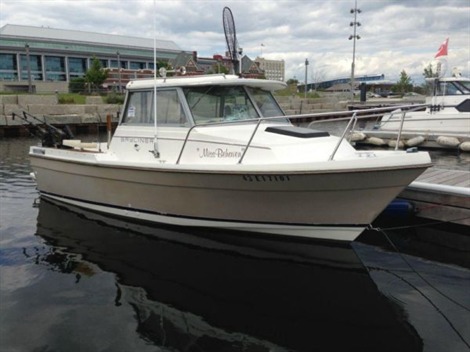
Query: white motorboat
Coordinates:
[447,112]
[222,155]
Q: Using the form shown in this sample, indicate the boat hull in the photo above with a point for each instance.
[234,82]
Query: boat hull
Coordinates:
[447,122]
[334,205]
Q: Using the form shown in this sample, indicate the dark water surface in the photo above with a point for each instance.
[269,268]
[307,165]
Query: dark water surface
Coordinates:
[72,280]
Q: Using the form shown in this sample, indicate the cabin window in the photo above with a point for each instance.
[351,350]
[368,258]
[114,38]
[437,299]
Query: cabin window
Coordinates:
[453,88]
[219,103]
[464,86]
[140,109]
[265,102]
[447,88]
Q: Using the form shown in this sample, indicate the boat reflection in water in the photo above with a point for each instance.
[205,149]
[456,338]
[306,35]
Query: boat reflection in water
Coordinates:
[213,291]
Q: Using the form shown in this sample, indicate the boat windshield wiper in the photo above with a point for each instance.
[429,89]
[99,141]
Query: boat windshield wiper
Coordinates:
[200,98]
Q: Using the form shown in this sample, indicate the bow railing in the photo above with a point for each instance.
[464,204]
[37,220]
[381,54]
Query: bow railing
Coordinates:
[351,116]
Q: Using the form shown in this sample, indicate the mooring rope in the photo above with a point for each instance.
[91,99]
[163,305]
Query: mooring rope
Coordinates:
[422,278]
[415,271]
[427,299]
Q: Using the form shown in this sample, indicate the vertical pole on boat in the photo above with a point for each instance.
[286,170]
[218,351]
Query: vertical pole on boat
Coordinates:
[403,115]
[108,128]
[156,153]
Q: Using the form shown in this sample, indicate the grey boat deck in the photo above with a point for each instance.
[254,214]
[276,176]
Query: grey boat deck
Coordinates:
[442,195]
[457,178]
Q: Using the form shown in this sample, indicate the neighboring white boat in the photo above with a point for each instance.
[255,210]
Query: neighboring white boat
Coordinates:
[223,156]
[447,112]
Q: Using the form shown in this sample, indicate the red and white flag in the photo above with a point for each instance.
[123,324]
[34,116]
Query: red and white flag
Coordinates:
[442,51]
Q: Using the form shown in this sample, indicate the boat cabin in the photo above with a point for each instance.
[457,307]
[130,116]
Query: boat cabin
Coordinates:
[451,86]
[185,102]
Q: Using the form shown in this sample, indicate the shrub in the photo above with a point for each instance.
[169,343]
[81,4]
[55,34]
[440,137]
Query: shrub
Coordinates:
[64,99]
[114,98]
[77,85]
[71,98]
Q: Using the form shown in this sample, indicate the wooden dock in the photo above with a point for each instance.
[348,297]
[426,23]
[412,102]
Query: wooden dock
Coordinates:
[442,195]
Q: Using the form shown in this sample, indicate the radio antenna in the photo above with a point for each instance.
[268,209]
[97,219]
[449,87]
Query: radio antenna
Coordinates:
[156,152]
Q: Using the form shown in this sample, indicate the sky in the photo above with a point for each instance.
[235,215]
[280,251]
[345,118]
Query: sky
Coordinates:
[395,35]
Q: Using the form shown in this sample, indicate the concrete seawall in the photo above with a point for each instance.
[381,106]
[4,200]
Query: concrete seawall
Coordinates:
[79,117]
[294,105]
[83,118]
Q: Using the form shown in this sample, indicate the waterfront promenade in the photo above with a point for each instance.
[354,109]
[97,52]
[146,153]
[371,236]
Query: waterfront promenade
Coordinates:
[80,117]
[85,117]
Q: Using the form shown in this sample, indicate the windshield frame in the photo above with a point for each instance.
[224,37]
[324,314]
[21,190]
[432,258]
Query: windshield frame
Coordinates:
[218,104]
[464,86]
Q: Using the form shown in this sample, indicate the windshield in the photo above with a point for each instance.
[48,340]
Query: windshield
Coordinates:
[464,86]
[213,104]
[453,88]
[265,102]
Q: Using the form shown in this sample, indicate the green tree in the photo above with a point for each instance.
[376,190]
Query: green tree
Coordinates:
[218,68]
[77,85]
[292,81]
[95,75]
[428,72]
[404,84]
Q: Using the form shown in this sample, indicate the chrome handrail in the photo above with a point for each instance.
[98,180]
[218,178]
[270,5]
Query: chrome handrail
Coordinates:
[352,121]
[184,143]
[211,124]
[401,125]
[353,118]
[249,141]
[397,144]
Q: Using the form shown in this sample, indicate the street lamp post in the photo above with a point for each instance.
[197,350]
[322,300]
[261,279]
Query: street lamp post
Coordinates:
[306,65]
[28,67]
[354,24]
[119,70]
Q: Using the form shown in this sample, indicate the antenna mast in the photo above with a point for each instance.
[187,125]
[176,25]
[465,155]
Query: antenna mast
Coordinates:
[156,152]
[231,37]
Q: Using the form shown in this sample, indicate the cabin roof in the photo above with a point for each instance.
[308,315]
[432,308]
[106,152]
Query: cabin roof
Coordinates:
[206,80]
[448,79]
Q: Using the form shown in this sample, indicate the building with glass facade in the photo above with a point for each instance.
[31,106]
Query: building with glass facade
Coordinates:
[43,55]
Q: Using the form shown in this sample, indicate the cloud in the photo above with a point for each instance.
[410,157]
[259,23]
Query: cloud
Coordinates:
[395,35]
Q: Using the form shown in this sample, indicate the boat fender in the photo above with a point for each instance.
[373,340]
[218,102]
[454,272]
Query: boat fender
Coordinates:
[448,141]
[399,208]
[375,141]
[465,146]
[357,136]
[412,142]
[393,143]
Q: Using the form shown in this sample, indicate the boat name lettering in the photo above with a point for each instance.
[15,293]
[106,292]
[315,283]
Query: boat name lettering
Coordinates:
[219,153]
[136,139]
[266,178]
